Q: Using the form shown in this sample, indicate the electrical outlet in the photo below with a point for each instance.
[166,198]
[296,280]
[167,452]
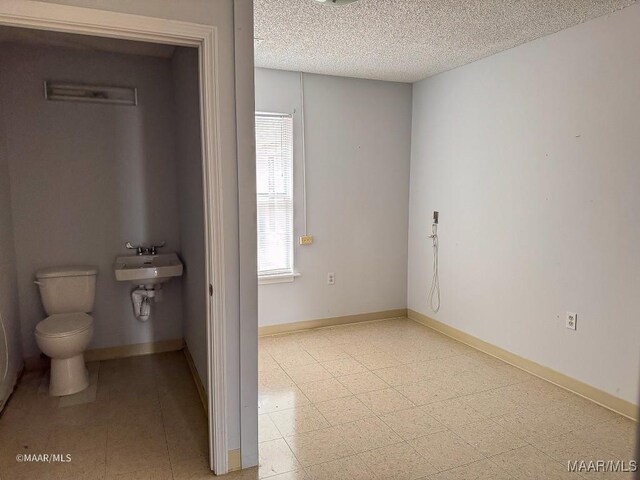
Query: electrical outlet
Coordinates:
[306,239]
[331,278]
[572,320]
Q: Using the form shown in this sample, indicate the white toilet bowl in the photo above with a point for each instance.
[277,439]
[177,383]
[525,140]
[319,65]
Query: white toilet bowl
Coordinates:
[68,294]
[64,337]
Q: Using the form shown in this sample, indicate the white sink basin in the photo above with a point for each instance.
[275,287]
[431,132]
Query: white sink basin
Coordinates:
[147,269]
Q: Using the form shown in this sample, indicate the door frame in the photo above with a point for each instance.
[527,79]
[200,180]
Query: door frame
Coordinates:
[101,23]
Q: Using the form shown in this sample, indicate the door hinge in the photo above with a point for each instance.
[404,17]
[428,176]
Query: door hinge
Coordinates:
[210,290]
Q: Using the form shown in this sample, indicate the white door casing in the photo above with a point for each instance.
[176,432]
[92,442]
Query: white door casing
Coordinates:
[89,21]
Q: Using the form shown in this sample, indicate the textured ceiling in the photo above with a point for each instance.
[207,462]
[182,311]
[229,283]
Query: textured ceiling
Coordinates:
[406,40]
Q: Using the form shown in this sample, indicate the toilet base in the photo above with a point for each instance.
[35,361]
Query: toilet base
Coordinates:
[68,376]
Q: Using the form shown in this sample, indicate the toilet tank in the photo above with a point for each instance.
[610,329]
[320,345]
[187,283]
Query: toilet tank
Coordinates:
[67,289]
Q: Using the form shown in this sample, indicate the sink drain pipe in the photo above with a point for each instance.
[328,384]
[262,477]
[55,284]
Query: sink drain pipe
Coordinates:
[141,299]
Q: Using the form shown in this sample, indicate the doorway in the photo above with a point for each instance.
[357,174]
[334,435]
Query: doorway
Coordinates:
[97,23]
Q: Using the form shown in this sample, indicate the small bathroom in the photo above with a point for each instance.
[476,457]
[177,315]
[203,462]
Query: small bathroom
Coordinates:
[102,287]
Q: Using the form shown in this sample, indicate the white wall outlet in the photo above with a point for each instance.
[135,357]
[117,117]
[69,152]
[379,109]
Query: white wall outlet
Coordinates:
[572,320]
[331,278]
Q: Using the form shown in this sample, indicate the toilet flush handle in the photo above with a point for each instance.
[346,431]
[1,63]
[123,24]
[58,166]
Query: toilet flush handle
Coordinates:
[38,283]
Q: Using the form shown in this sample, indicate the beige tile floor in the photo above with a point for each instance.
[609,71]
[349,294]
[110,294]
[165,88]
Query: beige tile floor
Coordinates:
[381,400]
[395,400]
[146,422]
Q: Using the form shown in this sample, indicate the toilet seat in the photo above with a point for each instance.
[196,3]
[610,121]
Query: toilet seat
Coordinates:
[64,324]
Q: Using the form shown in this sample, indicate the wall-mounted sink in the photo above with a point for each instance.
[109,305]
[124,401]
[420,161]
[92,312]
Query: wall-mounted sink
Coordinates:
[147,270]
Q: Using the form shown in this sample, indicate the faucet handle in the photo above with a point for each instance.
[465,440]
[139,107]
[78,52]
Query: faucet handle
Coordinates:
[153,249]
[138,248]
[144,250]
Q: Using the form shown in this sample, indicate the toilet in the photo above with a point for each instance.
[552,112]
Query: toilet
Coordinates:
[67,294]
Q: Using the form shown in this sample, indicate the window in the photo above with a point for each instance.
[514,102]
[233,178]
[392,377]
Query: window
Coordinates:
[274,185]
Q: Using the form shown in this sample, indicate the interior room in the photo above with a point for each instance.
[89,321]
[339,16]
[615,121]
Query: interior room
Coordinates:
[103,293]
[319,239]
[447,272]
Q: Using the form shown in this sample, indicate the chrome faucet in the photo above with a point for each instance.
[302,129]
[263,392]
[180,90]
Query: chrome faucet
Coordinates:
[144,250]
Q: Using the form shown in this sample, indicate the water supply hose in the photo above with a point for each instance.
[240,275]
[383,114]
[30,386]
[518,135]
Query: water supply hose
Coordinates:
[434,293]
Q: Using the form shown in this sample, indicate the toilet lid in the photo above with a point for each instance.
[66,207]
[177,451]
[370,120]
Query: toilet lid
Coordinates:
[63,324]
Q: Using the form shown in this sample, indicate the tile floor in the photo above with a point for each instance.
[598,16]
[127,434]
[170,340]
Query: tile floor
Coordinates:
[388,400]
[395,400]
[143,421]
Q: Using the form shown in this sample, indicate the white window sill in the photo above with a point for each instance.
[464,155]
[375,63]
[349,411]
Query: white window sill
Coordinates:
[269,279]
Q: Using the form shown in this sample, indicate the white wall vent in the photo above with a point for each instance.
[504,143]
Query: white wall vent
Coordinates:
[69,92]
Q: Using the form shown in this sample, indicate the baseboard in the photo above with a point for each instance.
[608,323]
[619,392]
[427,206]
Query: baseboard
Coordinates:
[330,322]
[196,378]
[582,389]
[42,362]
[133,350]
[234,460]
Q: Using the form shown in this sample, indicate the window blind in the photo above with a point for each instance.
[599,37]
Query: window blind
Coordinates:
[274,185]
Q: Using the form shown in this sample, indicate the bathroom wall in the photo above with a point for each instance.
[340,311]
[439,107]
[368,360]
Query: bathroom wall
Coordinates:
[531,157]
[86,178]
[229,27]
[10,363]
[189,163]
[357,138]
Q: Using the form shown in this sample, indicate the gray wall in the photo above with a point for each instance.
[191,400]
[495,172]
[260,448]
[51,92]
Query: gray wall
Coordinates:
[247,229]
[220,14]
[531,157]
[86,178]
[190,193]
[357,136]
[9,314]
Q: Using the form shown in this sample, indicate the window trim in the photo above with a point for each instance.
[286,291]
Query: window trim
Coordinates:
[277,278]
[283,277]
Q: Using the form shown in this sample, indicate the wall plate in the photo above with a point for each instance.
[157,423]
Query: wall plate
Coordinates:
[306,239]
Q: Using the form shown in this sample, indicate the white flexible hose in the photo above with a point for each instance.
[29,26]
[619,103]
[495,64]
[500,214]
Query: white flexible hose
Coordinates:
[434,293]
